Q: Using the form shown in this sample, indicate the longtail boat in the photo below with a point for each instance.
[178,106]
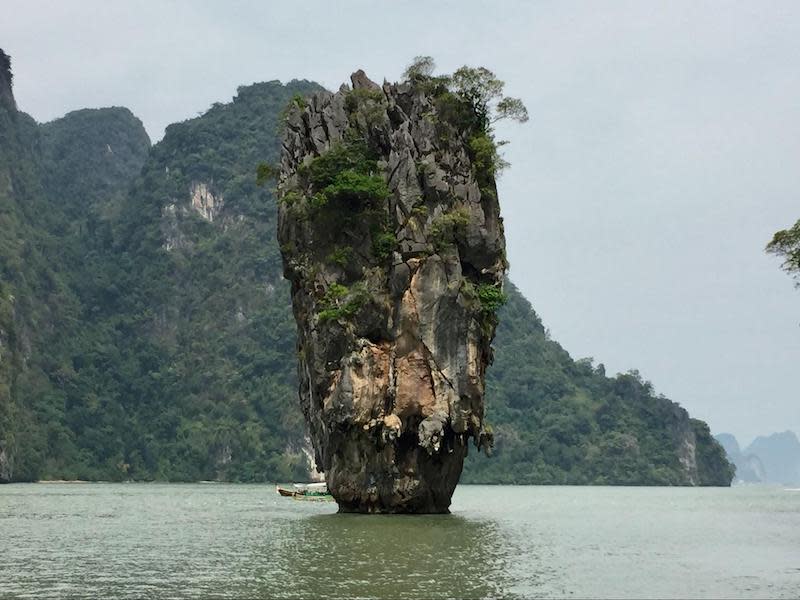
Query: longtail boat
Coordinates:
[306,491]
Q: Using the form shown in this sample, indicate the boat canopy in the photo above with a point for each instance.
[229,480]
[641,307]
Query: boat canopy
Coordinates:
[311,487]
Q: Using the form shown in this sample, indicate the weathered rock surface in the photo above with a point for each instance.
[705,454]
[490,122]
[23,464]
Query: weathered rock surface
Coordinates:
[394,338]
[6,94]
[6,464]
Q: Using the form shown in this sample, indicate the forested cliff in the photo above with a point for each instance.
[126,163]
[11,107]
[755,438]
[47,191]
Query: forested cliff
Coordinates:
[146,330]
[58,182]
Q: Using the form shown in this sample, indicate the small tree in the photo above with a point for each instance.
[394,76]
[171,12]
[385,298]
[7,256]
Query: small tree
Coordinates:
[422,67]
[266,172]
[786,244]
[511,108]
[481,88]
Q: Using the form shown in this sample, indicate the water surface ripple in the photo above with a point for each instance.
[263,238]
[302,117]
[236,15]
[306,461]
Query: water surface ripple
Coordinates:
[244,541]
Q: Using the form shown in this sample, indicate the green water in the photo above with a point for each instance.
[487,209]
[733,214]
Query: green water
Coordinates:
[240,541]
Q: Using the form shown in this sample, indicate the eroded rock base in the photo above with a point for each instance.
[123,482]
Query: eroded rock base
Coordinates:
[402,480]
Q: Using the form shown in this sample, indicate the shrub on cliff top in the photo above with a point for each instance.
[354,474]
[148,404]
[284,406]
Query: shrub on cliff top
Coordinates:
[355,189]
[471,100]
[477,86]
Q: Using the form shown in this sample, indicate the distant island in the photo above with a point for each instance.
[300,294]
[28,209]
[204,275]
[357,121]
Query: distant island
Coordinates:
[771,459]
[146,330]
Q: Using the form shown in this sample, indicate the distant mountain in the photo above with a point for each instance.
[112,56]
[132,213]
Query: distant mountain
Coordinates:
[769,459]
[749,468]
[780,455]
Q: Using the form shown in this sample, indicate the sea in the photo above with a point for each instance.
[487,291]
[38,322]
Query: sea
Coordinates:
[139,540]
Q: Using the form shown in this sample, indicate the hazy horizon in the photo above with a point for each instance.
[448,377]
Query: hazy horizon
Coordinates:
[659,159]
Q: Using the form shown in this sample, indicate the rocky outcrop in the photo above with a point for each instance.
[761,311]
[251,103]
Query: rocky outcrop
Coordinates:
[396,256]
[204,203]
[6,94]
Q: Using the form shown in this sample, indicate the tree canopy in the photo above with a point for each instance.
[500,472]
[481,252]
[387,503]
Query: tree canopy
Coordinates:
[477,85]
[786,244]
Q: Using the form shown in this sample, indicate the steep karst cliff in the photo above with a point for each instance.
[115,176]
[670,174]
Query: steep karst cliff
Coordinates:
[394,246]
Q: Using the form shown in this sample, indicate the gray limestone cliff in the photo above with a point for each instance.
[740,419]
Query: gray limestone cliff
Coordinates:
[392,240]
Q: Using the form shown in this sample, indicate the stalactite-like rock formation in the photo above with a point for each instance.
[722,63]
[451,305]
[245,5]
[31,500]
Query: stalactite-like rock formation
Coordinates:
[391,237]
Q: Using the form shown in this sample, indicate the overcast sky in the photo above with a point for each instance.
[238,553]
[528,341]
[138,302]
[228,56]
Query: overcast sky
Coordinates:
[661,155]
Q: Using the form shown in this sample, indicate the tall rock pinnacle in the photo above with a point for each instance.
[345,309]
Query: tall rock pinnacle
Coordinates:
[391,237]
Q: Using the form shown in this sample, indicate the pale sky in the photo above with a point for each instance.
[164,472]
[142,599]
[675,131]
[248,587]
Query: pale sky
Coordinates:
[661,155]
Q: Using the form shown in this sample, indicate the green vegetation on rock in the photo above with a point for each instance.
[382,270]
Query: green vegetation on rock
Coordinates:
[341,302]
[447,227]
[472,100]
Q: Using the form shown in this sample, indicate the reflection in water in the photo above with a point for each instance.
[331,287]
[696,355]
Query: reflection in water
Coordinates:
[385,556]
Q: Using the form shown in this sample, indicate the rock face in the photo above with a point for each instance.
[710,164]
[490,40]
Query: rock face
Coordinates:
[6,94]
[6,465]
[396,257]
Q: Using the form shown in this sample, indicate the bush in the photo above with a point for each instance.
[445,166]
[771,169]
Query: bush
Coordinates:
[299,101]
[491,297]
[345,174]
[486,161]
[341,302]
[350,156]
[383,244]
[356,190]
[448,226]
[266,172]
[341,255]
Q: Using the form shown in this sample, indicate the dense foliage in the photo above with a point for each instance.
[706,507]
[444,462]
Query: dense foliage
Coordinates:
[146,332]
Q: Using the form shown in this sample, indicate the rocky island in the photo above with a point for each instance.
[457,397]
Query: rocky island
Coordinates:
[391,236]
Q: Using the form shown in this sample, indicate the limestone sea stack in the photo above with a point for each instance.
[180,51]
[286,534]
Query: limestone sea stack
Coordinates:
[391,237]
